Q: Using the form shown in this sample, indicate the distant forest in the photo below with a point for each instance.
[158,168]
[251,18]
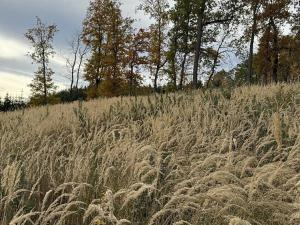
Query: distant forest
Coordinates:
[11,104]
[189,44]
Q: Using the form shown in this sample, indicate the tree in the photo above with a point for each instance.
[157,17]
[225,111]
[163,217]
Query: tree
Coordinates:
[272,16]
[179,42]
[171,55]
[222,79]
[183,11]
[74,63]
[296,19]
[240,73]
[8,103]
[209,15]
[295,42]
[11,104]
[118,35]
[106,32]
[217,55]
[254,8]
[81,53]
[94,30]
[288,58]
[263,58]
[200,29]
[157,9]
[41,38]
[136,56]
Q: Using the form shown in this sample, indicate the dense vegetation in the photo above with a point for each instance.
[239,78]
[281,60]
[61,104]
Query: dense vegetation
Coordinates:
[11,104]
[214,158]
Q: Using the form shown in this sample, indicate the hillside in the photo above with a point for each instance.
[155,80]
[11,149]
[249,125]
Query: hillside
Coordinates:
[212,158]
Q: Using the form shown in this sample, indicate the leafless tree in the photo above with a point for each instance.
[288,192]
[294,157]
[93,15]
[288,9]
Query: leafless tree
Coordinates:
[74,63]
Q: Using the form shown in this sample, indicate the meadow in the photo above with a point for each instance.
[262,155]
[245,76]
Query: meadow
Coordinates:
[215,157]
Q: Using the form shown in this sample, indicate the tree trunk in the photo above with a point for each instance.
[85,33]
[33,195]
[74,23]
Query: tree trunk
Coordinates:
[73,71]
[174,57]
[186,52]
[251,51]
[44,77]
[174,74]
[158,63]
[276,60]
[217,55]
[82,54]
[199,42]
[173,64]
[275,52]
[212,70]
[131,80]
[266,76]
[288,72]
[156,78]
[78,72]
[182,73]
[98,77]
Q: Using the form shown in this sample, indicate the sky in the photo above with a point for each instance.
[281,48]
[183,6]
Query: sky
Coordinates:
[16,16]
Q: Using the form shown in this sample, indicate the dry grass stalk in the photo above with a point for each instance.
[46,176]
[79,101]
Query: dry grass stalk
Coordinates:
[277,129]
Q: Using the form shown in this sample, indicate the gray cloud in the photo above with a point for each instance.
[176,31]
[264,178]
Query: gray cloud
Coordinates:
[16,16]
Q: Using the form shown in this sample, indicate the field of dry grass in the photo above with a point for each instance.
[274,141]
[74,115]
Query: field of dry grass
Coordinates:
[213,158]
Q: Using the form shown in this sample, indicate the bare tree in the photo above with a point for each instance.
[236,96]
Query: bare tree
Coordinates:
[83,51]
[74,62]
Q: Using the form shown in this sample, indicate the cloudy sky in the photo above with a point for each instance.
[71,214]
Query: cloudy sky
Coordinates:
[16,16]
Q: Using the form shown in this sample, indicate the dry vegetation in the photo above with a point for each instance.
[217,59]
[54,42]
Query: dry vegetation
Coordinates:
[208,158]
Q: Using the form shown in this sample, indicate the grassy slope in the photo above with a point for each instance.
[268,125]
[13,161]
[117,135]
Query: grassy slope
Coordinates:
[189,158]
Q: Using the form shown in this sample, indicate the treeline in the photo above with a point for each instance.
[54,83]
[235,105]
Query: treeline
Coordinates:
[11,104]
[188,45]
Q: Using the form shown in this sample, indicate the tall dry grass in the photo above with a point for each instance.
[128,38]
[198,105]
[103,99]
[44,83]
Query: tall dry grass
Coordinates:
[190,158]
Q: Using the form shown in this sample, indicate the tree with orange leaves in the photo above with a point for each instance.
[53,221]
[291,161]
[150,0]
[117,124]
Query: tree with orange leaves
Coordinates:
[136,56]
[158,11]
[106,32]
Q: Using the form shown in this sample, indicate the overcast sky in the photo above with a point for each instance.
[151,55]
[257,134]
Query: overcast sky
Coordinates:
[16,16]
